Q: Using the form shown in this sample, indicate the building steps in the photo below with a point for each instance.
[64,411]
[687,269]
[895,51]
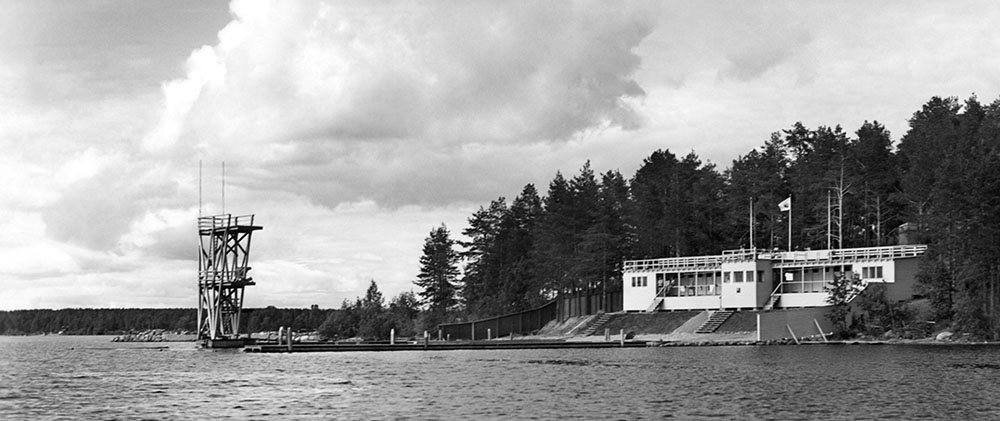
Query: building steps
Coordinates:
[772,301]
[597,324]
[714,321]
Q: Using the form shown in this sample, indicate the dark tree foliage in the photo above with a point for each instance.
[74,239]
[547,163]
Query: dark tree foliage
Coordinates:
[438,276]
[841,291]
[757,179]
[678,207]
[582,233]
[951,185]
[368,317]
[483,258]
[118,321]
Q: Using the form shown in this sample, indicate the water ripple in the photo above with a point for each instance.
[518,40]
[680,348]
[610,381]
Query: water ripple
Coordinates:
[78,378]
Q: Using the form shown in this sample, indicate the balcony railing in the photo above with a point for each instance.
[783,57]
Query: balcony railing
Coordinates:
[691,262]
[841,255]
[207,224]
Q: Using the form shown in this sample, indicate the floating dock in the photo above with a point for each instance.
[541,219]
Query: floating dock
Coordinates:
[439,346]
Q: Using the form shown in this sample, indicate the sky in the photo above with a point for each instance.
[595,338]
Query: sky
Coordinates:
[351,129]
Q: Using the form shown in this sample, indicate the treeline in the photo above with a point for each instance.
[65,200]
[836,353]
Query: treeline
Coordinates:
[107,321]
[371,318]
[848,190]
[521,254]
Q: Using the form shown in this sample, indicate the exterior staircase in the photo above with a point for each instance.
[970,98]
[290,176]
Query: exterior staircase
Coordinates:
[655,305]
[771,302]
[597,324]
[714,321]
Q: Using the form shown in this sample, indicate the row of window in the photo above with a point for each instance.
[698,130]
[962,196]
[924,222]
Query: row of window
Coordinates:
[739,276]
[709,278]
[700,279]
[874,272]
[638,281]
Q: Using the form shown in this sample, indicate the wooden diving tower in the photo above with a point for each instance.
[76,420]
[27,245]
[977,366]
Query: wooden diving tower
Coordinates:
[222,275]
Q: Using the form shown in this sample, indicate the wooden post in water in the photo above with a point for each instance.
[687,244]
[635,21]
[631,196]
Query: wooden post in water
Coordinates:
[427,339]
[820,329]
[439,334]
[607,335]
[622,339]
[793,334]
[392,336]
[289,332]
[473,331]
[281,334]
[489,334]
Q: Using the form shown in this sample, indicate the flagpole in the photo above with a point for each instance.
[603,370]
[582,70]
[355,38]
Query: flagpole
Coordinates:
[751,223]
[789,223]
[829,219]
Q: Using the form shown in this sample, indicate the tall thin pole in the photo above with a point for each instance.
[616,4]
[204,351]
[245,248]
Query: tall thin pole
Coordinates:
[199,188]
[751,223]
[878,221]
[789,224]
[829,233]
[223,187]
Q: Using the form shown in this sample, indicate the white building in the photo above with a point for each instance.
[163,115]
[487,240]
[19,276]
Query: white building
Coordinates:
[751,279]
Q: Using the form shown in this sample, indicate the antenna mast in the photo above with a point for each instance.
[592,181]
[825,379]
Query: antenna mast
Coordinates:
[223,186]
[199,188]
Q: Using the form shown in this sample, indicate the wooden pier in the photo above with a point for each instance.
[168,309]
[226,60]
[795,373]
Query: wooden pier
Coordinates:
[438,346]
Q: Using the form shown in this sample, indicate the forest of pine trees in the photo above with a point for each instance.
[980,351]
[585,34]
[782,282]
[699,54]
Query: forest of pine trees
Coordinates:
[942,178]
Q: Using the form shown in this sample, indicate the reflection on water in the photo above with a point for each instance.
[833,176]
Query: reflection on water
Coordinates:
[90,378]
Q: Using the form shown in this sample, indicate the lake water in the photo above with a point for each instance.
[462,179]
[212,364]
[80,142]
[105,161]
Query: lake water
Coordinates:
[91,378]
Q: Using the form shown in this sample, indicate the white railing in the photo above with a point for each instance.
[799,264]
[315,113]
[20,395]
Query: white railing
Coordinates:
[855,254]
[211,223]
[691,262]
[788,257]
[673,263]
[739,254]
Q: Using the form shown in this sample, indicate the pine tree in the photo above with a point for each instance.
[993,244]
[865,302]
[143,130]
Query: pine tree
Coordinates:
[438,276]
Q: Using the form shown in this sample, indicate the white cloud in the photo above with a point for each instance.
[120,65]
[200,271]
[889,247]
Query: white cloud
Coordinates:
[377,101]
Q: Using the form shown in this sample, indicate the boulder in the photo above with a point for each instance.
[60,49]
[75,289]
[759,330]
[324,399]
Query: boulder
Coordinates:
[943,336]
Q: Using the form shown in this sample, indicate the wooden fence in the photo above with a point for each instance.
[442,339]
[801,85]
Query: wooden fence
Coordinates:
[530,321]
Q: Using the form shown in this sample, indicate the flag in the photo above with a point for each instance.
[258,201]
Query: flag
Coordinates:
[785,205]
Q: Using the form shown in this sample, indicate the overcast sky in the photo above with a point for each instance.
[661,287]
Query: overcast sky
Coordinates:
[351,129]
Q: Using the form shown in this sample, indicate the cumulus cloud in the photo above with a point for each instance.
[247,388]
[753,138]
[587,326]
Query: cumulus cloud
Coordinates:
[362,97]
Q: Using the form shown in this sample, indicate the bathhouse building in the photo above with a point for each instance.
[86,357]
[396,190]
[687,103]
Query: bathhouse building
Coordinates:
[764,280]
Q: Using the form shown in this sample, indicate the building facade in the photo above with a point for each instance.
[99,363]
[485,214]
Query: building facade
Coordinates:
[753,279]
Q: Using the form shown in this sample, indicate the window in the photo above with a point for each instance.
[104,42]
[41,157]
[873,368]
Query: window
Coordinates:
[749,276]
[874,272]
[737,276]
[760,276]
[639,281]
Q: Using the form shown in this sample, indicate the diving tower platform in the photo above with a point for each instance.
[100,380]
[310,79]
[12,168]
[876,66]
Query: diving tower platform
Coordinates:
[223,275]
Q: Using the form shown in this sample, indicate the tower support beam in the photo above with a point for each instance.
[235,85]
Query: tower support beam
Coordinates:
[223,273]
